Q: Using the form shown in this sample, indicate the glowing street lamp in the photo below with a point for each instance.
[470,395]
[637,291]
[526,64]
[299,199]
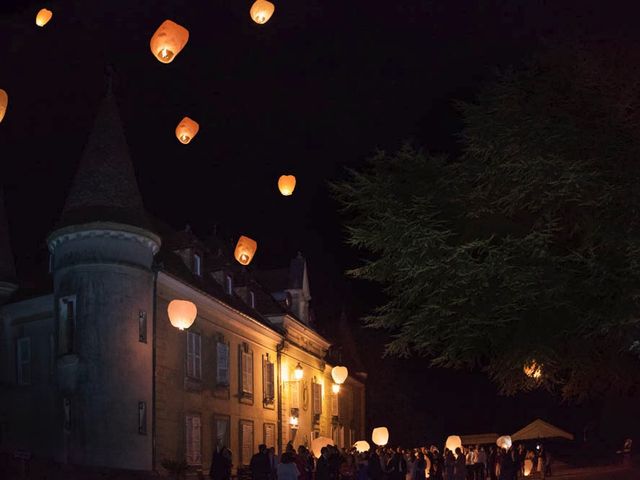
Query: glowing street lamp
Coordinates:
[298,373]
[335,388]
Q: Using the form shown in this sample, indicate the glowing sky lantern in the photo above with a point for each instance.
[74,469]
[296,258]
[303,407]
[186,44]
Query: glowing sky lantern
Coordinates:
[182,313]
[168,41]
[318,443]
[533,370]
[380,436]
[339,374]
[43,17]
[286,184]
[245,250]
[186,130]
[261,11]
[4,102]
[504,442]
[453,442]
[362,446]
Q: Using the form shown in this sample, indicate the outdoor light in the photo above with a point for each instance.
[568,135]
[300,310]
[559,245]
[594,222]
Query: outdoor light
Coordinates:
[186,130]
[245,250]
[380,436]
[504,442]
[533,370]
[362,446]
[4,102]
[182,313]
[298,373]
[339,374]
[293,421]
[453,442]
[168,41]
[43,17]
[286,184]
[261,11]
[335,388]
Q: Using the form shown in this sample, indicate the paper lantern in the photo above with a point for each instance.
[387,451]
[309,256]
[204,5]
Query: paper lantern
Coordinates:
[298,373]
[286,184]
[380,436]
[339,374]
[533,370]
[261,11]
[528,467]
[335,388]
[504,442]
[317,444]
[245,250]
[186,130]
[362,446]
[453,442]
[168,41]
[4,103]
[43,17]
[182,313]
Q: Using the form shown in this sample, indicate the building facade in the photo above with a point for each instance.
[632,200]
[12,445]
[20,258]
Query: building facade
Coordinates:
[92,371]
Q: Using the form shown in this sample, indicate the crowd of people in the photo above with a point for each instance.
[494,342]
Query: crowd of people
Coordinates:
[472,463]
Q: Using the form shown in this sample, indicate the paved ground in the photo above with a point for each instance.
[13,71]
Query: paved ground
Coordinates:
[601,473]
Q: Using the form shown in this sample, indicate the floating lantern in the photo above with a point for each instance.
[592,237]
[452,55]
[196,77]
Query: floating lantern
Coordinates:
[261,11]
[362,446]
[298,373]
[4,103]
[168,41]
[186,130]
[43,17]
[528,467]
[533,370]
[380,436]
[182,313]
[245,250]
[286,184]
[335,388]
[504,442]
[317,444]
[453,442]
[339,374]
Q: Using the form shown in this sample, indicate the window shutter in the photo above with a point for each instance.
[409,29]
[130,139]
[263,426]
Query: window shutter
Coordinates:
[190,349]
[222,377]
[247,372]
[197,357]
[335,408]
[194,438]
[23,355]
[269,390]
[317,399]
[294,393]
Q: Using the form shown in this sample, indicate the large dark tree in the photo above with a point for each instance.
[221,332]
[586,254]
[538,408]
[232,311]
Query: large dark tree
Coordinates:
[525,249]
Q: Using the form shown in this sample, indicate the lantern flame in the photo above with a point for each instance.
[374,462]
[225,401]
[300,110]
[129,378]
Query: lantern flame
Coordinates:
[533,370]
[261,11]
[380,436]
[43,17]
[286,184]
[339,374]
[168,41]
[245,250]
[4,103]
[182,313]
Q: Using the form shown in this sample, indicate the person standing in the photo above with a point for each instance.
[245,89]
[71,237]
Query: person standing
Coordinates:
[420,467]
[260,465]
[460,471]
[287,468]
[481,463]
[221,464]
[397,466]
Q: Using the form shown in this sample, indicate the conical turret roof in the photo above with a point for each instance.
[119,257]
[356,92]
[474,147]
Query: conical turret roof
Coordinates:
[7,265]
[105,187]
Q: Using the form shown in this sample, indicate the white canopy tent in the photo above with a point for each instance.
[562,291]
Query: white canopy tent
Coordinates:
[540,429]
[479,439]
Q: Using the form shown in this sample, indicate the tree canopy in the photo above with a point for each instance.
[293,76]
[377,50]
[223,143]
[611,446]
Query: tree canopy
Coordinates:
[524,250]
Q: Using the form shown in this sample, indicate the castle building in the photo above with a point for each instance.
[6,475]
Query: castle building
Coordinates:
[93,373]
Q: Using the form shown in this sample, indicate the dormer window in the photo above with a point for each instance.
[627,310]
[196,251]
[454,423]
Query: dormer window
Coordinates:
[228,284]
[197,264]
[252,299]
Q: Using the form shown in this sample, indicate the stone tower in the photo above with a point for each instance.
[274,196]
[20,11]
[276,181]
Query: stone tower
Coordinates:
[8,283]
[102,252]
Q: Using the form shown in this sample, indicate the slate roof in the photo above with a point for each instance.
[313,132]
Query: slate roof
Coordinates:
[105,187]
[280,279]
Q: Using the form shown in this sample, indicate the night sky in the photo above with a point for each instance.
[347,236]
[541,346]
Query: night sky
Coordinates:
[318,88]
